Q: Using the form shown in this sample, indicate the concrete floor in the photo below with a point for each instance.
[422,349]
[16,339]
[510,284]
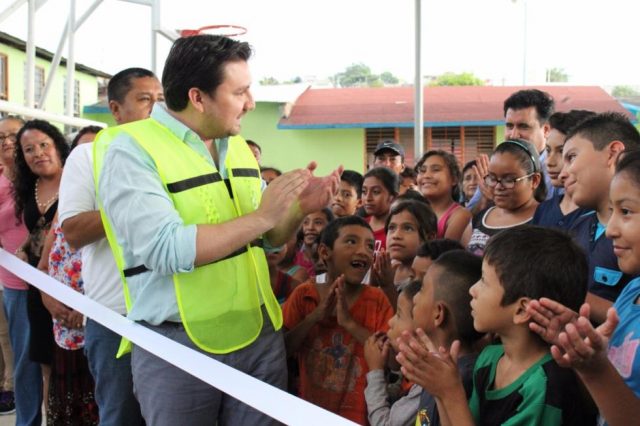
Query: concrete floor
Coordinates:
[8,420]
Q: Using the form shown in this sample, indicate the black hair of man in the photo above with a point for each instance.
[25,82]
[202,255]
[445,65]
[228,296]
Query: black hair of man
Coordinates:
[459,270]
[198,61]
[563,122]
[353,179]
[121,83]
[330,233]
[522,99]
[602,129]
[534,262]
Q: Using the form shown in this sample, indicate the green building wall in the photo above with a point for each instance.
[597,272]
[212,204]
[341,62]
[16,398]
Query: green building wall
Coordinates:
[55,100]
[104,117]
[499,135]
[290,149]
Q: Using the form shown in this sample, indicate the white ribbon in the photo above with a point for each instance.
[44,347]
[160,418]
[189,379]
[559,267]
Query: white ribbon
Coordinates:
[272,401]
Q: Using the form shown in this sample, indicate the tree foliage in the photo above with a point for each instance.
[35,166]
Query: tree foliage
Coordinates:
[557,75]
[360,75]
[453,79]
[388,78]
[269,81]
[272,81]
[624,91]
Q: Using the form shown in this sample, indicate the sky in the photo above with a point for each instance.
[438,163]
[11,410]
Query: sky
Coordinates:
[594,42]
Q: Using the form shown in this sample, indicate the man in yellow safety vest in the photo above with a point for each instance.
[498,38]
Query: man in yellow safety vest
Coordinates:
[188,220]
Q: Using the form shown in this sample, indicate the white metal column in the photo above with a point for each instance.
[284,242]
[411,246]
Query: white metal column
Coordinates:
[418,126]
[71,60]
[155,26]
[55,62]
[30,72]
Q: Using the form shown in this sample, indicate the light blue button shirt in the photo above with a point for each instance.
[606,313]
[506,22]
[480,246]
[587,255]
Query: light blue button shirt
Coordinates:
[147,226]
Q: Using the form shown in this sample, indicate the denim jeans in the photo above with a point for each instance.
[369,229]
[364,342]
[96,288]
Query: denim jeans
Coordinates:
[26,373]
[114,385]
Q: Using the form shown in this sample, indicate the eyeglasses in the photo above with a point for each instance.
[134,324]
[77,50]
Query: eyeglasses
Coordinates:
[8,142]
[12,137]
[507,182]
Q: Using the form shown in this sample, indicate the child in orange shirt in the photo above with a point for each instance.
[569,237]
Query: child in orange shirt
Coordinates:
[329,324]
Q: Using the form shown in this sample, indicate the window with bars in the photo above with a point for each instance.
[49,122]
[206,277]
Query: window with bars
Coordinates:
[372,138]
[4,77]
[38,85]
[478,140]
[76,97]
[466,143]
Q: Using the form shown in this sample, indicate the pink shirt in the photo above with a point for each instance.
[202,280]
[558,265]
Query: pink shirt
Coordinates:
[442,222]
[12,233]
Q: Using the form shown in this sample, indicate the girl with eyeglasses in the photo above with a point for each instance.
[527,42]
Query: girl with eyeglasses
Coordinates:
[517,187]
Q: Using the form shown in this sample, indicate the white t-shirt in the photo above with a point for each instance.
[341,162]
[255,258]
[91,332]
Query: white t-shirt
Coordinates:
[78,195]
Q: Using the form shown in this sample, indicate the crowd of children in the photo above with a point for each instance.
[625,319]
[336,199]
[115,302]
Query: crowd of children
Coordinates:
[407,301]
[429,314]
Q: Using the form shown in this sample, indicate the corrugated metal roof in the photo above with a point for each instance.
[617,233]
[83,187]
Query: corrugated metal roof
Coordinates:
[443,106]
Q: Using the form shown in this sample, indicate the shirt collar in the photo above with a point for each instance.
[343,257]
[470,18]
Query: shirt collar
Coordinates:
[178,128]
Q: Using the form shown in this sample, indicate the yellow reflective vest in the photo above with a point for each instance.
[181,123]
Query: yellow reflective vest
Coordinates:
[219,303]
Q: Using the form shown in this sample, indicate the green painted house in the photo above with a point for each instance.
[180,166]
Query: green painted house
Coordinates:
[13,60]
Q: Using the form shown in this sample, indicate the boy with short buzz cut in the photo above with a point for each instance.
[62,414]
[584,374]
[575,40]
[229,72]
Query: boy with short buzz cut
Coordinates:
[430,251]
[516,382]
[348,199]
[439,312]
[442,314]
[590,154]
[329,324]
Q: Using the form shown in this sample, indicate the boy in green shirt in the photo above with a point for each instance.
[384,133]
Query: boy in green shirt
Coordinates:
[515,382]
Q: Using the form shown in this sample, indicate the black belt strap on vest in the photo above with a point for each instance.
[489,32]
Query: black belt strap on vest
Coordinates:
[245,173]
[136,270]
[183,185]
[130,272]
[194,182]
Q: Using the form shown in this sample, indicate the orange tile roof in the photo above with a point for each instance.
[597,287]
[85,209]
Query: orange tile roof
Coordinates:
[443,106]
